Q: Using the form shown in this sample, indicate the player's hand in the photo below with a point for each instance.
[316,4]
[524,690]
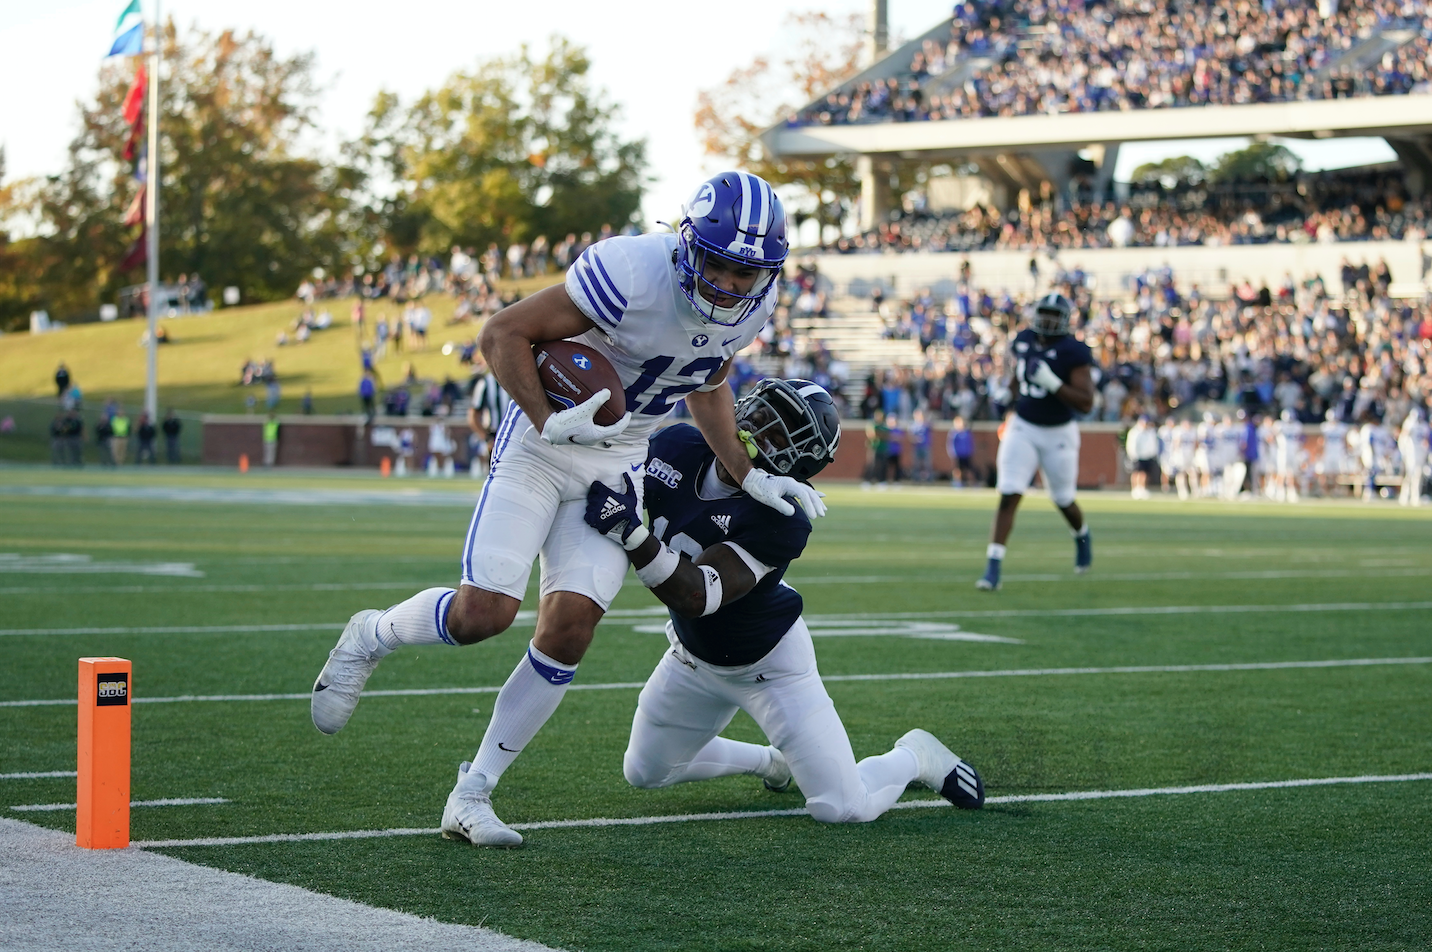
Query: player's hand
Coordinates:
[771,491]
[1042,376]
[576,425]
[616,513]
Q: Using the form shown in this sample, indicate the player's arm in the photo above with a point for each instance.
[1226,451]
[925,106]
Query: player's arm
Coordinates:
[714,412]
[691,589]
[507,338]
[717,577]
[1077,392]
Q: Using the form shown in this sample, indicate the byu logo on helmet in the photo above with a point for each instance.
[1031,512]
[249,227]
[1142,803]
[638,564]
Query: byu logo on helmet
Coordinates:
[700,340]
[731,245]
[582,361]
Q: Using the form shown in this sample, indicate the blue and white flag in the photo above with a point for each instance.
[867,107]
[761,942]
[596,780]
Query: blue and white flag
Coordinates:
[128,32]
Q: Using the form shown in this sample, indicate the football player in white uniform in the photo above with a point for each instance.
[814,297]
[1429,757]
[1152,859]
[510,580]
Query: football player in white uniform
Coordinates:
[1413,443]
[669,311]
[1054,372]
[1289,457]
[1334,461]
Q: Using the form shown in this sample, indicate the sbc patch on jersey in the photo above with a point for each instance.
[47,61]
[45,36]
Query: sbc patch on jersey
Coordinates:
[663,473]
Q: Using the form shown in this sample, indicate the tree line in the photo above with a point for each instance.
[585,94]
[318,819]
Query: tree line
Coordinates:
[516,147]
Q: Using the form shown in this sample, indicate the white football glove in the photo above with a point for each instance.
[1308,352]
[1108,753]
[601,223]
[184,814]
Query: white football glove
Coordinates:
[770,490]
[576,426]
[1046,378]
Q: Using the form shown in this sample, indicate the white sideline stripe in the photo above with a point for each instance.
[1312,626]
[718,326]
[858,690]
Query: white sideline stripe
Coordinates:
[524,617]
[918,676]
[168,802]
[766,814]
[37,774]
[797,582]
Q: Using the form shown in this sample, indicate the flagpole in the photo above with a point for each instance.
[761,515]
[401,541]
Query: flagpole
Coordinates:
[151,219]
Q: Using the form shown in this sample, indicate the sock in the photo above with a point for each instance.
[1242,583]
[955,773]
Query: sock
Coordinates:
[421,620]
[524,704]
[995,551]
[886,776]
[1080,532]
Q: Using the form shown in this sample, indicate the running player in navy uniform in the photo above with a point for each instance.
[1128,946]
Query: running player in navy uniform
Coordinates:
[1052,369]
[716,557]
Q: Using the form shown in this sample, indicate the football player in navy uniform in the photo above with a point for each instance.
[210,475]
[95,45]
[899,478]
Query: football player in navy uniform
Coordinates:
[1052,368]
[716,557]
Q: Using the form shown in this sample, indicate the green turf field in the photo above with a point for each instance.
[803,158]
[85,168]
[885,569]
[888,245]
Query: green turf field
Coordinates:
[888,583]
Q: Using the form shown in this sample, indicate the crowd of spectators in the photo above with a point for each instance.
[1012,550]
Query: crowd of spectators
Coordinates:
[1035,57]
[1321,207]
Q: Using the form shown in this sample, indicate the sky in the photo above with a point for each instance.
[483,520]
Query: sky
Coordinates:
[652,58]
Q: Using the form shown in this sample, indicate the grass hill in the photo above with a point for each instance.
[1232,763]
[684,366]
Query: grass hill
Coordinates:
[199,368]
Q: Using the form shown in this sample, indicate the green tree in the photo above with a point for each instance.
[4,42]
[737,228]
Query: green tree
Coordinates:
[1171,172]
[730,118]
[516,148]
[240,203]
[1260,162]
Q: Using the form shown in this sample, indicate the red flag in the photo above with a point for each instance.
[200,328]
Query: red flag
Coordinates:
[135,213]
[134,101]
[137,254]
[132,145]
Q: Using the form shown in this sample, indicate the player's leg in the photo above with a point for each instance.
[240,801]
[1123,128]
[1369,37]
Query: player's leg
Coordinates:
[1059,464]
[506,532]
[679,714]
[793,708]
[1016,462]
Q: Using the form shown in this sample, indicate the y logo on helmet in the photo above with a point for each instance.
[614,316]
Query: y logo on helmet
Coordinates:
[700,340]
[582,361]
[703,203]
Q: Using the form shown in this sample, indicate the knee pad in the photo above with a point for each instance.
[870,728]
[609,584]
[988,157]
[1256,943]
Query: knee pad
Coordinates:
[823,811]
[1064,501]
[502,569]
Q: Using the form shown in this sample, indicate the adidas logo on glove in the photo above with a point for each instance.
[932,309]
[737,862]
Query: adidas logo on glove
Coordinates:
[611,508]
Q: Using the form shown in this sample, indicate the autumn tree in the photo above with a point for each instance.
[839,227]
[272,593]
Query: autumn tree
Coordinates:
[730,118]
[241,204]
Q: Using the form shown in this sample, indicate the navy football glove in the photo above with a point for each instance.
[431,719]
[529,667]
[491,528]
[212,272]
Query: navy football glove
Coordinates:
[616,514]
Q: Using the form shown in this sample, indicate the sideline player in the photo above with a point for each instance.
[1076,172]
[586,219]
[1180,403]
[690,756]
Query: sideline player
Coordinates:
[669,311]
[1053,370]
[716,558]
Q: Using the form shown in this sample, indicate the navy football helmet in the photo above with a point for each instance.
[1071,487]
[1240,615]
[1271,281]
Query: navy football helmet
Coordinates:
[733,220]
[1051,315]
[792,426]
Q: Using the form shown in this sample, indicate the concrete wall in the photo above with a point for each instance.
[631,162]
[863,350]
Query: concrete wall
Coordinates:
[1212,269]
[343,441]
[317,440]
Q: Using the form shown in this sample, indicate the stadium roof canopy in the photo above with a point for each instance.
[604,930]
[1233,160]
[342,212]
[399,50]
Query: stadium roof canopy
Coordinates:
[1393,117]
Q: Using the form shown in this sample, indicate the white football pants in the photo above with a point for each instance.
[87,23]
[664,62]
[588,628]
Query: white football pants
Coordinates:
[686,703]
[1052,450]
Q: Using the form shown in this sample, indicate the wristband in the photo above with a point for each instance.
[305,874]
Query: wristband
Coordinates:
[659,569]
[637,536]
[713,588]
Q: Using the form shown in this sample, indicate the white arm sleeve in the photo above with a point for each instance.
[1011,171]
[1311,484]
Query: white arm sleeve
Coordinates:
[758,568]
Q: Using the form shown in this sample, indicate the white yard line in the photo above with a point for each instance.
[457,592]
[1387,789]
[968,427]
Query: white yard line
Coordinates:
[914,676]
[526,617]
[797,582]
[765,814]
[167,802]
[38,774]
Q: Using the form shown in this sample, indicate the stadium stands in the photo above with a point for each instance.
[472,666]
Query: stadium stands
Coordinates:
[1028,57]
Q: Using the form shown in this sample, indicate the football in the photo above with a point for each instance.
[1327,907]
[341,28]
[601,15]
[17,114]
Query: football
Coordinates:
[572,372]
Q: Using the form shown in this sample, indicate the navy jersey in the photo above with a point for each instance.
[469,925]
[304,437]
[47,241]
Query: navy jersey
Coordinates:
[745,630]
[1063,354]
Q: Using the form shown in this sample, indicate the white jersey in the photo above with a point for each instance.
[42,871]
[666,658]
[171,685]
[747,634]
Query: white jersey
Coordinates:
[1230,444]
[1334,445]
[648,329]
[1413,440]
[1184,440]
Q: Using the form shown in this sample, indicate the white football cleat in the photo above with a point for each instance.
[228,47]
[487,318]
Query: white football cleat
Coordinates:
[339,684]
[776,777]
[469,816]
[942,771]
